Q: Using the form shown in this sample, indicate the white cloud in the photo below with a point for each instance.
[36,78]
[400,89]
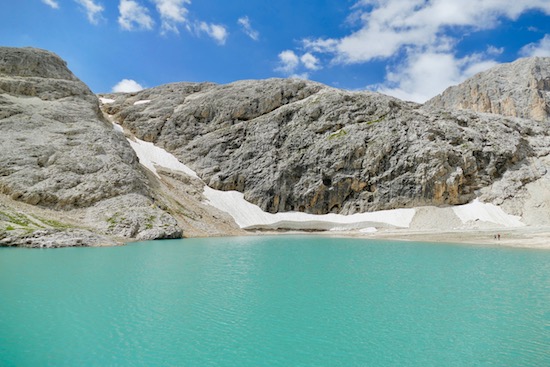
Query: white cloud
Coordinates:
[172,14]
[93,10]
[304,76]
[414,35]
[134,16]
[423,75]
[389,26]
[320,45]
[52,3]
[247,28]
[540,48]
[288,61]
[216,31]
[492,50]
[310,62]
[127,86]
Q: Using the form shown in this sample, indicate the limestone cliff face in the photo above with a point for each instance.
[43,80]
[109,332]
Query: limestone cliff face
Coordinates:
[519,89]
[58,152]
[293,145]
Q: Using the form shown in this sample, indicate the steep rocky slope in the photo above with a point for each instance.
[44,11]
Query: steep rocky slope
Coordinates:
[520,89]
[80,178]
[298,145]
[57,151]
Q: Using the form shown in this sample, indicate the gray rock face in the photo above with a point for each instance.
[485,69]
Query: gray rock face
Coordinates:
[38,73]
[58,152]
[134,216]
[54,238]
[296,145]
[33,62]
[519,89]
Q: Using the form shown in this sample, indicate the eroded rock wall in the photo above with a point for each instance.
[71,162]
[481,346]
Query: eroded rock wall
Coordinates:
[518,89]
[294,145]
[59,153]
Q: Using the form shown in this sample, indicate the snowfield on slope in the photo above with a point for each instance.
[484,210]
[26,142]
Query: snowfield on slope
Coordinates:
[250,216]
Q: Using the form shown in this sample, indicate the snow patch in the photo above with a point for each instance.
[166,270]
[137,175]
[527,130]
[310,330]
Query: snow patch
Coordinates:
[368,230]
[150,156]
[248,215]
[142,102]
[106,100]
[117,127]
[486,212]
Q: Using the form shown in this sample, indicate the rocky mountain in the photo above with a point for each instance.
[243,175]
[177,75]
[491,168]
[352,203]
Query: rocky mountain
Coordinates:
[68,177]
[79,177]
[294,145]
[519,89]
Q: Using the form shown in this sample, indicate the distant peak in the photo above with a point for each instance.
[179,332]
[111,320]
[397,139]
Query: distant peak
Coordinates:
[518,89]
[33,62]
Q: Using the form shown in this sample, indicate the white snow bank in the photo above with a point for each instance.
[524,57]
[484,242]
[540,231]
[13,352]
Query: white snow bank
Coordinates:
[248,215]
[106,100]
[150,155]
[362,230]
[142,102]
[117,127]
[477,210]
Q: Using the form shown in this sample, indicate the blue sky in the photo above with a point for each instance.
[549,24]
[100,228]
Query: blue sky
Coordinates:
[412,49]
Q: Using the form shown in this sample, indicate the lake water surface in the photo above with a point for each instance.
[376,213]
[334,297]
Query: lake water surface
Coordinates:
[275,301]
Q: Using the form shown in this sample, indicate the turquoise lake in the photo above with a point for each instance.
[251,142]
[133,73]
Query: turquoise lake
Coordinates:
[275,301]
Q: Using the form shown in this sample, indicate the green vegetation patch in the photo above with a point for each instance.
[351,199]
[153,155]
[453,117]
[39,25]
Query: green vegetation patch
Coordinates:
[380,119]
[115,219]
[150,221]
[54,224]
[16,218]
[337,134]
